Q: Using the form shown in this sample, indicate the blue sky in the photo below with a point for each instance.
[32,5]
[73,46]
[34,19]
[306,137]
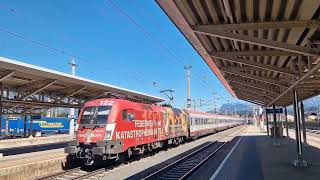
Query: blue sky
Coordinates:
[111,48]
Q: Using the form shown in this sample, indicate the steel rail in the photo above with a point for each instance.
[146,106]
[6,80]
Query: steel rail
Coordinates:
[179,160]
[60,174]
[171,166]
[204,160]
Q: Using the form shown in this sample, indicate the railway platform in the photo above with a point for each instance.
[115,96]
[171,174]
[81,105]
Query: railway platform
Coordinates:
[256,157]
[30,165]
[21,142]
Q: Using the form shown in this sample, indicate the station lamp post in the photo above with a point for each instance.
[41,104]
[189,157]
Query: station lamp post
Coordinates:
[187,68]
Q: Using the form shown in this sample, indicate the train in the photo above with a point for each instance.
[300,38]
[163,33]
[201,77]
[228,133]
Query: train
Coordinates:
[115,129]
[14,125]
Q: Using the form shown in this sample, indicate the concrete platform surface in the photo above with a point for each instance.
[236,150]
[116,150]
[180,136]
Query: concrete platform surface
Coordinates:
[10,143]
[256,158]
[31,165]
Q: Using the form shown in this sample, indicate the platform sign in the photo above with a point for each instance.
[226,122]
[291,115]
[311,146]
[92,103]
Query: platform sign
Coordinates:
[270,111]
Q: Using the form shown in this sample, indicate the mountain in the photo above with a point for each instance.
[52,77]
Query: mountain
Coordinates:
[241,109]
[311,105]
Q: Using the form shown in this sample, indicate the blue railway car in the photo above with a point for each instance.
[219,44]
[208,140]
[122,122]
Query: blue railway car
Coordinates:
[46,125]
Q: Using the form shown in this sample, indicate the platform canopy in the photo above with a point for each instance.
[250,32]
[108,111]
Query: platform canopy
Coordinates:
[260,50]
[26,88]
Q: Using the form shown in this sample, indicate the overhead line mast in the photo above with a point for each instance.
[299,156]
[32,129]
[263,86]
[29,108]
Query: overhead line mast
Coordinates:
[187,68]
[73,65]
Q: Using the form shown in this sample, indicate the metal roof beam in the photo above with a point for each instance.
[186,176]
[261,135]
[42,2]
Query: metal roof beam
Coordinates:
[39,103]
[252,93]
[253,89]
[254,64]
[260,25]
[254,77]
[6,75]
[256,53]
[246,68]
[97,95]
[49,83]
[296,83]
[252,98]
[261,42]
[33,84]
[255,86]
[256,95]
[71,93]
[313,80]
[252,101]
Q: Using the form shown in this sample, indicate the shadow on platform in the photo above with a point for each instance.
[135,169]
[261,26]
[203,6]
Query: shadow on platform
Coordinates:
[255,158]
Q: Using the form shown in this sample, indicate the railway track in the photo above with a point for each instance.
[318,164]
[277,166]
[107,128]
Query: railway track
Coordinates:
[77,173]
[185,166]
[313,131]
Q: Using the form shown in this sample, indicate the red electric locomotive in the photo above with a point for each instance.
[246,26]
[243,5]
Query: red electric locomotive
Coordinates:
[110,129]
[114,128]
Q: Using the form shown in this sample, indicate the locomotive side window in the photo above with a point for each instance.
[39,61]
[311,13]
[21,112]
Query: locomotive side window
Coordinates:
[131,116]
[124,114]
[128,115]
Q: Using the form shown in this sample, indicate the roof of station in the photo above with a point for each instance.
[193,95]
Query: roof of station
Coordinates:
[260,50]
[31,87]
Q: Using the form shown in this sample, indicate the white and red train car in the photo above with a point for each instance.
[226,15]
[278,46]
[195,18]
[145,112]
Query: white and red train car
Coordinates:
[114,128]
[202,123]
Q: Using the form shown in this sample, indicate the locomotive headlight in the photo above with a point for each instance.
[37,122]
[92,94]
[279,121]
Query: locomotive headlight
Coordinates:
[108,134]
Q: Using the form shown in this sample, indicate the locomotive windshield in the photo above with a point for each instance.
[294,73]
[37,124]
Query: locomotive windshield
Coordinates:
[95,115]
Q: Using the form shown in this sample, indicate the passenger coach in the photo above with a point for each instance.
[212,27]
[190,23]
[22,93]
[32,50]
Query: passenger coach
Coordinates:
[202,123]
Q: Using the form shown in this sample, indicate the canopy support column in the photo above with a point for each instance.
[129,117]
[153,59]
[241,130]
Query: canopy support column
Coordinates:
[298,162]
[25,126]
[275,142]
[267,119]
[274,121]
[304,134]
[286,119]
[1,94]
[30,124]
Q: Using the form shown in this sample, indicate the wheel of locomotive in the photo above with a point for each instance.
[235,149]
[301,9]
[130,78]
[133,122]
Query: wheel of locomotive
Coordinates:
[72,161]
[153,146]
[165,144]
[176,141]
[125,156]
[149,148]
[143,150]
